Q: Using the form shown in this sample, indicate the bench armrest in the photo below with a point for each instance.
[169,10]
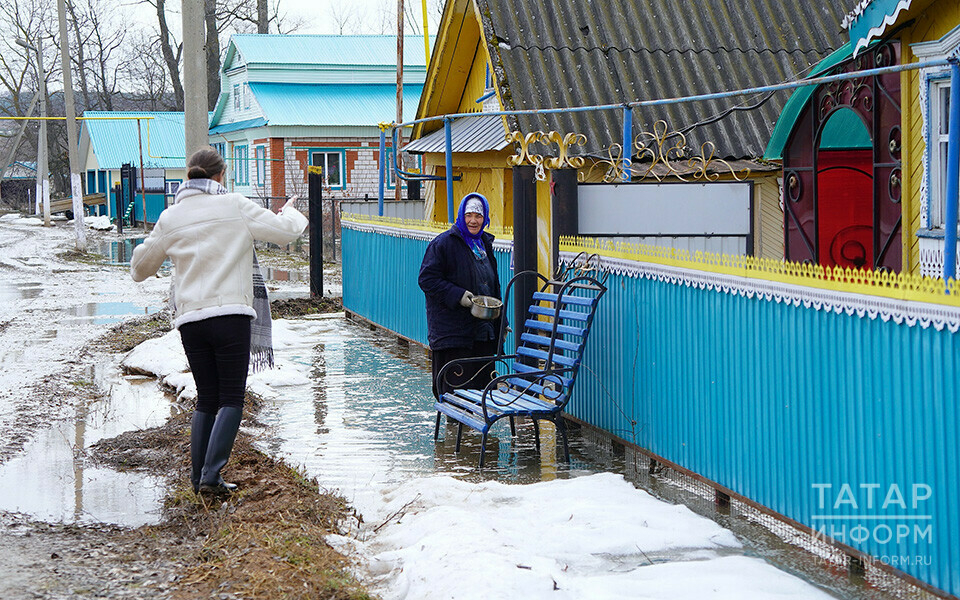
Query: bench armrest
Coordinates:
[550,381]
[455,366]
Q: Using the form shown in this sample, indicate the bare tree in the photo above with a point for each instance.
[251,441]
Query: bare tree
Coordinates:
[32,21]
[170,48]
[345,18]
[146,77]
[263,17]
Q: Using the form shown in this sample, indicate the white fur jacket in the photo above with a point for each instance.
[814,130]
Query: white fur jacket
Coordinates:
[209,239]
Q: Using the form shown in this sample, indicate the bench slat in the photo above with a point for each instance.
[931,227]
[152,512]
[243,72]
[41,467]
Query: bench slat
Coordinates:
[579,300]
[519,367]
[510,403]
[545,341]
[557,358]
[564,314]
[548,326]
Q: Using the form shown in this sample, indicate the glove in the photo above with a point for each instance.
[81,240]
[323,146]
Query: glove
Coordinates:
[467,300]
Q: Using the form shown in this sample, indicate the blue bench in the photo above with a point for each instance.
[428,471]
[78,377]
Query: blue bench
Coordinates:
[539,377]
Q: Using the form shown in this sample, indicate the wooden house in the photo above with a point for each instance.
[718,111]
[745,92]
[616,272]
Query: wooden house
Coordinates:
[533,54]
[291,101]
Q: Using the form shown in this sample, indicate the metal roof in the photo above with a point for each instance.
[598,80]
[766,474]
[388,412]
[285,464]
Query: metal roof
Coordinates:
[468,134]
[333,104]
[238,125]
[280,49]
[566,53]
[115,141]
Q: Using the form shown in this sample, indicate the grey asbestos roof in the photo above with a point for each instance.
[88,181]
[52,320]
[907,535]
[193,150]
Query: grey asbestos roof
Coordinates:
[469,134]
[556,53]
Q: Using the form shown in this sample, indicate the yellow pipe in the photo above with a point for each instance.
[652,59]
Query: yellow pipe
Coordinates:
[78,118]
[426,35]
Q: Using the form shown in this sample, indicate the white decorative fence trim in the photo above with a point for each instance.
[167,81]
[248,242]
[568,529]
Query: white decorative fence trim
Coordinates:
[872,307]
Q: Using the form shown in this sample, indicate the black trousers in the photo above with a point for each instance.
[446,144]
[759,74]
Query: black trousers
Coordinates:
[472,375]
[218,350]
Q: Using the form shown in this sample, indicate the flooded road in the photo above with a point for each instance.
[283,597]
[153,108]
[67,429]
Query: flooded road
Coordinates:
[366,418]
[52,478]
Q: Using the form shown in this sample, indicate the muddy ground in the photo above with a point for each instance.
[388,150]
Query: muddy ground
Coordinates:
[268,541]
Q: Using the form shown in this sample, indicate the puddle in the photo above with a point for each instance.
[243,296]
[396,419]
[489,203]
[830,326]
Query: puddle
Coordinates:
[53,480]
[118,252]
[106,313]
[367,419]
[11,292]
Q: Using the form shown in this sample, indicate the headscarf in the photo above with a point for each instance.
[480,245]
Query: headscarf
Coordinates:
[475,242]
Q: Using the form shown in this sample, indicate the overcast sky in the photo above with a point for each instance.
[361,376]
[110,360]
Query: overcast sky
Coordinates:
[358,16]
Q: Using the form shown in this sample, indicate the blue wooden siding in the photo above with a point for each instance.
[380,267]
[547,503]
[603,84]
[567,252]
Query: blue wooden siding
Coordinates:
[819,416]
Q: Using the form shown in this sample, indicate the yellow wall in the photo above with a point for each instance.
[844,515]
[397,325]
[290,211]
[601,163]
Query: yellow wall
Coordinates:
[929,25]
[476,82]
[767,218]
[486,173]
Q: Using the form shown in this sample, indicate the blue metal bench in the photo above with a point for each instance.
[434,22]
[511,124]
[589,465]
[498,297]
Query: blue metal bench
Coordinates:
[539,377]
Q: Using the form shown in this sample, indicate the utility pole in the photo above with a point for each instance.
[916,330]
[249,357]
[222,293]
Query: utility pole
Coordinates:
[43,184]
[195,118]
[16,140]
[73,148]
[398,183]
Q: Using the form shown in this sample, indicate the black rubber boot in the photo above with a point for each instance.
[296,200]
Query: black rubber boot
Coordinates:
[218,451]
[199,437]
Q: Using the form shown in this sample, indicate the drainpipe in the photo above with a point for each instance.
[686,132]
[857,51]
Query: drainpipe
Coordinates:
[627,141]
[448,135]
[383,165]
[953,174]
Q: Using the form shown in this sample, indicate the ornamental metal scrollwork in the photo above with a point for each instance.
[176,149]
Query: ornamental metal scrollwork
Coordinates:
[659,154]
[564,142]
[524,155]
[614,165]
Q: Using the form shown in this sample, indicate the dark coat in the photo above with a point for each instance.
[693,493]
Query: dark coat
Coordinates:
[446,272]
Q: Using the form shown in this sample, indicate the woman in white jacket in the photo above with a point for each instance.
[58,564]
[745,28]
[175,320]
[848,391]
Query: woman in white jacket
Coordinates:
[208,235]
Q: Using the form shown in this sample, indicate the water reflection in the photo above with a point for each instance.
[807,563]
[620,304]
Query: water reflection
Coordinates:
[118,252]
[52,478]
[368,419]
[105,313]
[11,292]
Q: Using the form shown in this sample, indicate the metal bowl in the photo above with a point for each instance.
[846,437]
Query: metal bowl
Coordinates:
[486,307]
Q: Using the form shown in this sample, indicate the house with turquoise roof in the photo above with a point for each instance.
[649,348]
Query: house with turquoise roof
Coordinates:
[293,101]
[152,141]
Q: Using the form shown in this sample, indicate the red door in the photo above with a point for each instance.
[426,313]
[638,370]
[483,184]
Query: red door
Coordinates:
[845,208]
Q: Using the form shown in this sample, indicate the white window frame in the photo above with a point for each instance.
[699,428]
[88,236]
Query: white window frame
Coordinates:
[246,96]
[326,153]
[236,96]
[391,175]
[937,135]
[241,169]
[171,187]
[260,152]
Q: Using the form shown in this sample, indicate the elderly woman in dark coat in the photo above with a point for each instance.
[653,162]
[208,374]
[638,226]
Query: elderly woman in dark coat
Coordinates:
[458,265]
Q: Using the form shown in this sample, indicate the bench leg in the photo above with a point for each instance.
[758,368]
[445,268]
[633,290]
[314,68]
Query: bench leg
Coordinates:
[536,433]
[436,429]
[563,435]
[513,427]
[483,447]
[459,434]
